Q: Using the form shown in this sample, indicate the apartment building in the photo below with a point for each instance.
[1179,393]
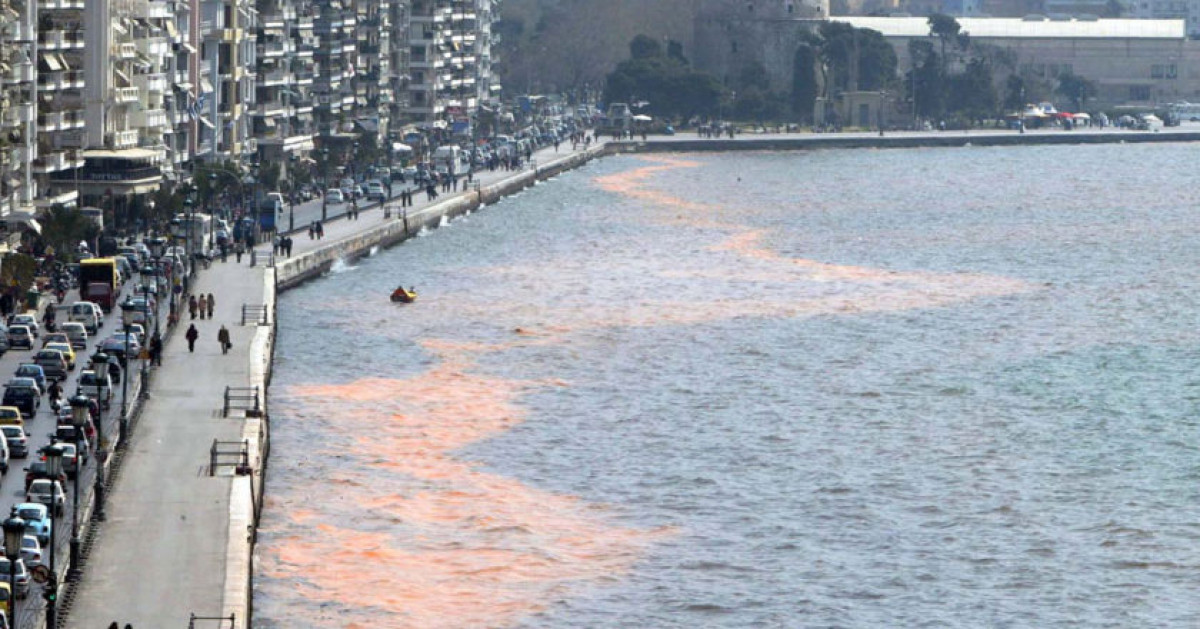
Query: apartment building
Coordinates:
[282,118]
[60,102]
[227,78]
[450,62]
[18,131]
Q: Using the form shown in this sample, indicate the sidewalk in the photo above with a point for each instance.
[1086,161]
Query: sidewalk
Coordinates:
[162,553]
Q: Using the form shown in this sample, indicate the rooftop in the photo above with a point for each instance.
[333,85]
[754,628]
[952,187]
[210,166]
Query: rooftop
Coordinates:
[1027,27]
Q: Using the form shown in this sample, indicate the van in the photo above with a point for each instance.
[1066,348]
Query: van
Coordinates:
[88,314]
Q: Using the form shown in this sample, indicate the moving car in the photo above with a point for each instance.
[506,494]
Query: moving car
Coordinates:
[55,337]
[21,576]
[115,345]
[31,370]
[47,492]
[96,386]
[333,195]
[37,470]
[17,440]
[20,336]
[37,520]
[76,333]
[67,351]
[26,320]
[87,313]
[376,191]
[27,399]
[53,363]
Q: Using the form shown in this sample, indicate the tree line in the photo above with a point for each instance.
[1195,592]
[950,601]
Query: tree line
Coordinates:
[951,77]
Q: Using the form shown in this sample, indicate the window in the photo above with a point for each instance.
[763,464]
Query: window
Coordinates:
[791,8]
[1139,92]
[1172,71]
[733,47]
[1156,71]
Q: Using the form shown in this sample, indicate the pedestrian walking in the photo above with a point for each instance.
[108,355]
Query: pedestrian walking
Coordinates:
[223,339]
[275,242]
[238,251]
[156,349]
[192,306]
[320,230]
[202,303]
[191,336]
[212,302]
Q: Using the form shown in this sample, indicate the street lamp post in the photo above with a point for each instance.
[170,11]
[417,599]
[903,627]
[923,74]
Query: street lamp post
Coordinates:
[54,455]
[190,250]
[79,417]
[100,366]
[354,182]
[325,183]
[14,532]
[128,308]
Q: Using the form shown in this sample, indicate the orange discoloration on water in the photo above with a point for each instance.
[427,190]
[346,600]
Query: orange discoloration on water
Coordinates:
[465,547]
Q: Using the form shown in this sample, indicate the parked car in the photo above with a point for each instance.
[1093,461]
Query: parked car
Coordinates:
[376,191]
[17,440]
[27,399]
[53,363]
[35,371]
[37,518]
[20,336]
[47,492]
[76,334]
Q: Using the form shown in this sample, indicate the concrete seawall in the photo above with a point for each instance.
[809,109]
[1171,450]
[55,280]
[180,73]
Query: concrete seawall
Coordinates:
[943,139]
[403,225]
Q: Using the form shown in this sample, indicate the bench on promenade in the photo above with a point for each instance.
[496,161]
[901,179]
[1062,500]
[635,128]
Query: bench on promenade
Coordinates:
[256,314]
[242,398]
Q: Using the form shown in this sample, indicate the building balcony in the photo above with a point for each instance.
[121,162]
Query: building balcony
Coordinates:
[122,139]
[126,50]
[153,47]
[231,35]
[21,73]
[124,95]
[48,122]
[59,5]
[150,119]
[150,83]
[151,9]
[59,40]
[273,49]
[276,78]
[52,162]
[18,114]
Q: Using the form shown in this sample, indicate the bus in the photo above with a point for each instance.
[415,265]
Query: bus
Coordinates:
[193,231]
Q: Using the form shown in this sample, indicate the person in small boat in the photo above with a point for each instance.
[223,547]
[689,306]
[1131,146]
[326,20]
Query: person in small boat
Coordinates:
[403,295]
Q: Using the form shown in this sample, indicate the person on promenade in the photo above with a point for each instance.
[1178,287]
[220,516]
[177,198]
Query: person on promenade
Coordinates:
[202,304]
[192,306]
[238,249]
[212,302]
[223,339]
[156,350]
[320,230]
[191,336]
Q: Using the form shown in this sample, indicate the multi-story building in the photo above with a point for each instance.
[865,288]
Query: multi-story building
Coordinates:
[450,61]
[227,77]
[282,117]
[18,131]
[336,53]
[60,107]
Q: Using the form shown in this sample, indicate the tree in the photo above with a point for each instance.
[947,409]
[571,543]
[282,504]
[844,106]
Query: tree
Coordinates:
[804,82]
[1014,93]
[946,29]
[645,47]
[1076,89]
[63,228]
[666,82]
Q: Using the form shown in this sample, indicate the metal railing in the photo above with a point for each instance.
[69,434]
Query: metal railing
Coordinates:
[242,398]
[256,314]
[220,449]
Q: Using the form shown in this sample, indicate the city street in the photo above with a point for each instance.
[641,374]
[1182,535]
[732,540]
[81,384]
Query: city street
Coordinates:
[31,610]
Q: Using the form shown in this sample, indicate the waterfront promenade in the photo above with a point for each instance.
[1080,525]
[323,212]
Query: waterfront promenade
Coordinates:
[177,541]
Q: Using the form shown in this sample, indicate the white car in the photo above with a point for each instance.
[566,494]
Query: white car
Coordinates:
[77,333]
[333,195]
[47,492]
[26,320]
[31,550]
